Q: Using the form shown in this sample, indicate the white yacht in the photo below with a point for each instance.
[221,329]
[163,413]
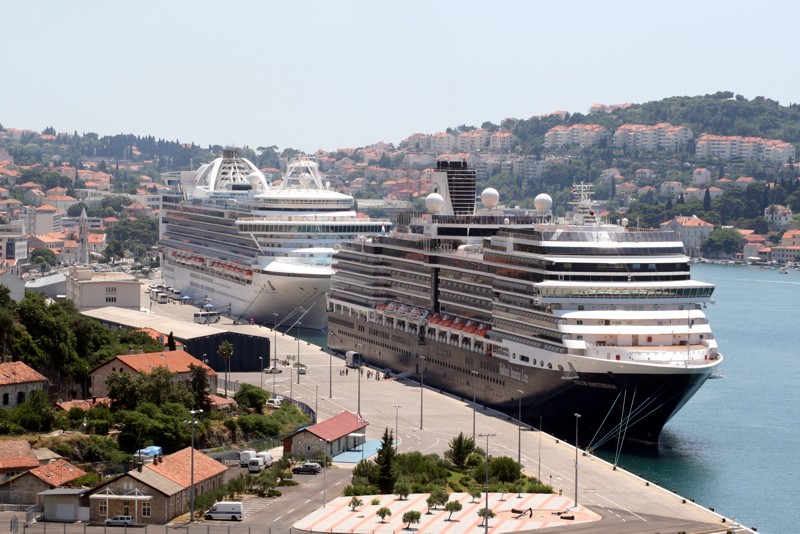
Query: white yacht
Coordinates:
[260,251]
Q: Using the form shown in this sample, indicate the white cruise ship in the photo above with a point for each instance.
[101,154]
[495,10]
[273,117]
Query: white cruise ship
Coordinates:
[257,250]
[528,313]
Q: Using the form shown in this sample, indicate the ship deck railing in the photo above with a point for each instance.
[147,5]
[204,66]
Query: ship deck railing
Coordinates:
[676,354]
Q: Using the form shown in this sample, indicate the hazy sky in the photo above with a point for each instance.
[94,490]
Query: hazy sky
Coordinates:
[330,74]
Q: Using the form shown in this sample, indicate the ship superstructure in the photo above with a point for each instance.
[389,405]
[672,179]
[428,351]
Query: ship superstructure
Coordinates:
[558,316]
[262,250]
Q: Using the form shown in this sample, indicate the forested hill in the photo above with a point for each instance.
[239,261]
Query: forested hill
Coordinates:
[722,113]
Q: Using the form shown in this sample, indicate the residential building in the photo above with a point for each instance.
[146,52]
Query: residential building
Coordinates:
[17,382]
[500,142]
[178,362]
[662,136]
[778,216]
[671,189]
[88,289]
[701,176]
[473,140]
[442,143]
[693,231]
[25,488]
[47,219]
[583,135]
[746,148]
[156,493]
[16,456]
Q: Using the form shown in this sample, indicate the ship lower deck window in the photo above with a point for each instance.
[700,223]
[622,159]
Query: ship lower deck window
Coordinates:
[524,358]
[549,365]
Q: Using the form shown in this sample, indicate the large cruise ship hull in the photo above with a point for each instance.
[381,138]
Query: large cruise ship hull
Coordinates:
[293,297]
[615,400]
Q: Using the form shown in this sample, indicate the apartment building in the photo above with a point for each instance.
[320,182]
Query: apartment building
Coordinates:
[693,231]
[746,148]
[583,135]
[442,143]
[662,136]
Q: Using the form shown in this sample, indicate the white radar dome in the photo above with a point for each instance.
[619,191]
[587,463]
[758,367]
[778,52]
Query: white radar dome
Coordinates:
[490,197]
[543,203]
[434,202]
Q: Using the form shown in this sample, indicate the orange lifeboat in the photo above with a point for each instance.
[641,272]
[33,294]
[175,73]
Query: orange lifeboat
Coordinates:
[381,306]
[248,272]
[435,319]
[446,320]
[458,324]
[470,327]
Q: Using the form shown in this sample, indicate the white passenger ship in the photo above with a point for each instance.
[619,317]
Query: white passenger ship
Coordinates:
[261,250]
[553,317]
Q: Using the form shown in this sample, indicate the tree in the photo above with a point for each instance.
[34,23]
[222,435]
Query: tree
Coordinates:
[225,351]
[452,507]
[707,200]
[486,513]
[385,460]
[411,517]
[383,512]
[460,448]
[200,387]
[475,492]
[44,258]
[437,497]
[250,396]
[402,490]
[504,469]
[354,503]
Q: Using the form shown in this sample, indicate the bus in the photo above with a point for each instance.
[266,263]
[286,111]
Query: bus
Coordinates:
[352,359]
[205,317]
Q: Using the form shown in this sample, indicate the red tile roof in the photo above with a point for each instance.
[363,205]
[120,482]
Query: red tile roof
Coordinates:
[84,405]
[16,455]
[57,473]
[177,361]
[177,467]
[338,426]
[18,373]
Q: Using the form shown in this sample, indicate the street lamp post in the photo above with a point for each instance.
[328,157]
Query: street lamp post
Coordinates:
[359,381]
[421,388]
[577,417]
[539,475]
[396,433]
[275,339]
[486,510]
[261,361]
[519,429]
[330,374]
[298,351]
[474,407]
[316,402]
[191,500]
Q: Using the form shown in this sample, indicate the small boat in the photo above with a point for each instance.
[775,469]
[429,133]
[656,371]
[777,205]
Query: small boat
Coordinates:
[783,270]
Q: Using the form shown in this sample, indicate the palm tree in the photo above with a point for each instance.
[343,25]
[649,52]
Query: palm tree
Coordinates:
[225,351]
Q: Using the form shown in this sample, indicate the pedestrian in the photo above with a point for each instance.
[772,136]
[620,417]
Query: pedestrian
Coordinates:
[347,372]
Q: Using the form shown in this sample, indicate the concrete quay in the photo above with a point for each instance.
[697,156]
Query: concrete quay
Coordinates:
[425,420]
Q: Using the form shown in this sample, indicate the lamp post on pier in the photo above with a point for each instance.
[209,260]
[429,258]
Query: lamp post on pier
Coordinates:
[577,417]
[316,403]
[421,388]
[396,433]
[519,429]
[261,361]
[474,406]
[539,475]
[297,334]
[360,358]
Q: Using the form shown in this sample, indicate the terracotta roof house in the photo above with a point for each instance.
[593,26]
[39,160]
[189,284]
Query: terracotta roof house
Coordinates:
[16,456]
[338,434]
[84,405]
[177,362]
[25,488]
[156,493]
[17,382]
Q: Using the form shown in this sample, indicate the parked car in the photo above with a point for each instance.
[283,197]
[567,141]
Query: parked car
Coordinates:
[308,467]
[301,370]
[119,521]
[274,403]
[273,370]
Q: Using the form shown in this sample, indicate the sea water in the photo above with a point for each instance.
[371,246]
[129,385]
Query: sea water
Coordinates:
[735,446]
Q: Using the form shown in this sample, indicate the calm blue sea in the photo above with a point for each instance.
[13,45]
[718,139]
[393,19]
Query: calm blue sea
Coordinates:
[735,446]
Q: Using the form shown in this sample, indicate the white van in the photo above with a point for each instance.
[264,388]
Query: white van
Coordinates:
[255,465]
[267,457]
[206,317]
[163,298]
[244,457]
[231,510]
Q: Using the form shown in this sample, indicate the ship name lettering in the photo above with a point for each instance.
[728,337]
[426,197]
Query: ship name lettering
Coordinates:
[595,384]
[510,372]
